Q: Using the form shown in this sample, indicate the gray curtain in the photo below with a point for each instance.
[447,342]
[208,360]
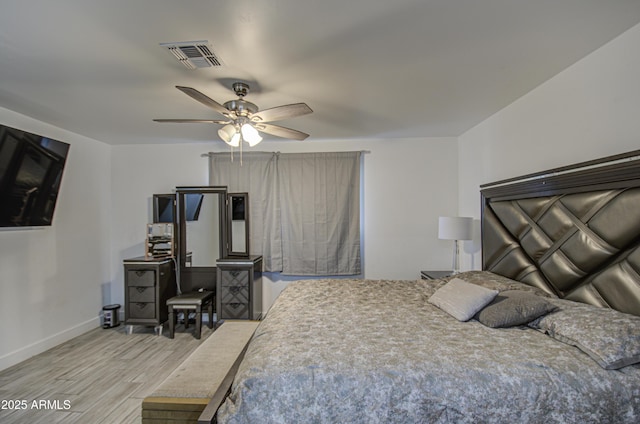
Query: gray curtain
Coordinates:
[320,204]
[257,176]
[304,208]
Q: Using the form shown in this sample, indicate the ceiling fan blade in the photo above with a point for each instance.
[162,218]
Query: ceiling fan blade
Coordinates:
[281,112]
[283,132]
[189,121]
[205,100]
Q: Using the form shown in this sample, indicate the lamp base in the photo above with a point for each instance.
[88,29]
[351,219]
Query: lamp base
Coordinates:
[456,258]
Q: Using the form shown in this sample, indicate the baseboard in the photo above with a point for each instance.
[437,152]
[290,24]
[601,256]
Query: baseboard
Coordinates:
[33,349]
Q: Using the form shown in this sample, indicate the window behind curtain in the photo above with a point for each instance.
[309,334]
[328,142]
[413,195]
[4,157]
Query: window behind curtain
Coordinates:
[304,208]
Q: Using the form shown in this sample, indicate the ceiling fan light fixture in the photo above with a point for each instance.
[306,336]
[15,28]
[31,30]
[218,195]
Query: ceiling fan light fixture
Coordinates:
[235,140]
[250,135]
[229,135]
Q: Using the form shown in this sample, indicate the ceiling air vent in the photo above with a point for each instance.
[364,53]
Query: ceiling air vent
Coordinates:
[194,54]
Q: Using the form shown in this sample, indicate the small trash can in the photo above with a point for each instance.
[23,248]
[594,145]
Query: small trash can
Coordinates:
[110,316]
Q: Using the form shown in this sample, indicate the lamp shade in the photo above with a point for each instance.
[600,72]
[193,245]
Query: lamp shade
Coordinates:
[229,135]
[250,135]
[455,228]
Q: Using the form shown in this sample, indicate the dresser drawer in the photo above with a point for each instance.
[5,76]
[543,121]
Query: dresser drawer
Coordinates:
[141,277]
[234,294]
[234,277]
[144,310]
[142,294]
[235,310]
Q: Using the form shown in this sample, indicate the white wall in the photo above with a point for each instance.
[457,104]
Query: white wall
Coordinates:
[51,279]
[590,110]
[138,172]
[407,185]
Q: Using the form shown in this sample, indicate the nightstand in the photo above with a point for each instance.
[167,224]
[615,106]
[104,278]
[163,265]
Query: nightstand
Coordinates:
[434,275]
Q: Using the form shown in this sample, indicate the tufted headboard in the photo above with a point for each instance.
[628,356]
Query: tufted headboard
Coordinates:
[572,231]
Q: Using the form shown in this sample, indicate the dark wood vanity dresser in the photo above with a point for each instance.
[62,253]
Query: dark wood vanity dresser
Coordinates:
[148,282]
[210,253]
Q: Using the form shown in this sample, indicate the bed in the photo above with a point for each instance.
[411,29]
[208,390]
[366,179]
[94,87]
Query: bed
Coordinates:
[364,351]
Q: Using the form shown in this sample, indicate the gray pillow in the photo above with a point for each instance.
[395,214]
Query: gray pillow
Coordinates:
[461,299]
[498,282]
[513,307]
[609,337]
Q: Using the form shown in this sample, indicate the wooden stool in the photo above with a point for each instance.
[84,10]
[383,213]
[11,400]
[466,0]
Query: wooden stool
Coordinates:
[190,301]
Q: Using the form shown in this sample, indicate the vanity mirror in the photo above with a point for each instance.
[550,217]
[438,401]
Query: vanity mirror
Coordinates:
[202,238]
[238,224]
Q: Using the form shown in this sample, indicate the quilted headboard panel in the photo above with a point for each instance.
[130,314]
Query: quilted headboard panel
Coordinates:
[573,232]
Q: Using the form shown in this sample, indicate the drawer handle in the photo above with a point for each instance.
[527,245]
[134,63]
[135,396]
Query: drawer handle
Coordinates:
[234,289]
[141,305]
[234,273]
[140,273]
[235,305]
[141,289]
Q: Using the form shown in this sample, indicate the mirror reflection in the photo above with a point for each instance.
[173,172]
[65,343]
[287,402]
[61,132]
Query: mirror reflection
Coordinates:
[239,225]
[203,228]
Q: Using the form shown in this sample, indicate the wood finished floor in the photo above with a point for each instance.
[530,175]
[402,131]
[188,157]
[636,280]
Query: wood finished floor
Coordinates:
[103,374]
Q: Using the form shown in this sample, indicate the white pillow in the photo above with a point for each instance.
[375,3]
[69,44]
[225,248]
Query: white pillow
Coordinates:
[462,300]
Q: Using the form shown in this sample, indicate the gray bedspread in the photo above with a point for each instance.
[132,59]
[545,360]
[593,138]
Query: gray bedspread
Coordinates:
[362,351]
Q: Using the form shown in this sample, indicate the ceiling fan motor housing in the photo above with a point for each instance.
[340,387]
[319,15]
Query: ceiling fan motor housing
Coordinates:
[241,107]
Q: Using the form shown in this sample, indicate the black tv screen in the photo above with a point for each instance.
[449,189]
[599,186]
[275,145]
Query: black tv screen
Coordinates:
[31,169]
[164,207]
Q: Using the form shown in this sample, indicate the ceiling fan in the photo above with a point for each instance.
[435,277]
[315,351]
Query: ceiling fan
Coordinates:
[244,120]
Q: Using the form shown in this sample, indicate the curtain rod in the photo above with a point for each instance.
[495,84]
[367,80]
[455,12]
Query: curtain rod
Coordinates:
[204,155]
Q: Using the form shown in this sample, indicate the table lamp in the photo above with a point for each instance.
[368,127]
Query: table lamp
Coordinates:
[455,228]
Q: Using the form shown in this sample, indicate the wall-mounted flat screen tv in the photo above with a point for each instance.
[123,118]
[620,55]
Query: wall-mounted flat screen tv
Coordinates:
[164,207]
[31,169]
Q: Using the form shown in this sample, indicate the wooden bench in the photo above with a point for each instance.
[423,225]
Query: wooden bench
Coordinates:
[204,378]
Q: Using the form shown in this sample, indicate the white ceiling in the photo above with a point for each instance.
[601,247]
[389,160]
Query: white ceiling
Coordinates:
[368,68]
